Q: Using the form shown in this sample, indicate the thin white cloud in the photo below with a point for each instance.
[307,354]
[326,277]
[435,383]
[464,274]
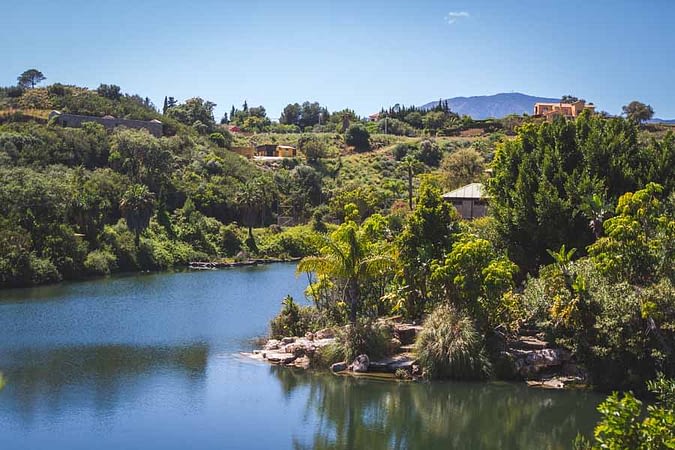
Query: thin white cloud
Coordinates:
[454,16]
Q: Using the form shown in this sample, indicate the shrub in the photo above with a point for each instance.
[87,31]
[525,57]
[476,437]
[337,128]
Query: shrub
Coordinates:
[358,137]
[294,242]
[229,240]
[100,262]
[364,336]
[222,140]
[43,270]
[449,347]
[400,151]
[293,320]
[625,423]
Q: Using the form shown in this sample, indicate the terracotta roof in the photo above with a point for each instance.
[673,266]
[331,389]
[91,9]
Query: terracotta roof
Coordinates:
[473,190]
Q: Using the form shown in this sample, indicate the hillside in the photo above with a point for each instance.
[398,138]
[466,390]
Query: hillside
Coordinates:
[492,106]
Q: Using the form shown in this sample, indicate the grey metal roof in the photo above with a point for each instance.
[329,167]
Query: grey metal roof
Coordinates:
[473,190]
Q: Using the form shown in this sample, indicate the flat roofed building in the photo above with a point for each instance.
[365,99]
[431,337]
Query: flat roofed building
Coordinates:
[549,110]
[470,200]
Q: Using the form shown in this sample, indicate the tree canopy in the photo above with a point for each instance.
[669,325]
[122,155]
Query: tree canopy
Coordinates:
[30,78]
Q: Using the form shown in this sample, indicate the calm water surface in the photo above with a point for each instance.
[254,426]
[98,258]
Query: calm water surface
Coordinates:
[151,362]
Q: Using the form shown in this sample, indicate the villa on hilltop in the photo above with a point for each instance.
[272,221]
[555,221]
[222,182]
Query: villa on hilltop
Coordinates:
[154,126]
[550,110]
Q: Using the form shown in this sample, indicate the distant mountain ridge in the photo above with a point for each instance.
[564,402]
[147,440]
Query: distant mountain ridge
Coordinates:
[664,121]
[493,106]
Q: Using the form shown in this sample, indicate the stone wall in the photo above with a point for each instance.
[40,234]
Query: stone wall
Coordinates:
[155,127]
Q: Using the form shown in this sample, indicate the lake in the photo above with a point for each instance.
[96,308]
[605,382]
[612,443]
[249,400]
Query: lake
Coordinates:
[151,361]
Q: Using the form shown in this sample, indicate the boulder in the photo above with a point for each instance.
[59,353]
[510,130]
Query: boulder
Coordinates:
[272,344]
[529,343]
[360,364]
[287,340]
[326,333]
[532,362]
[279,358]
[406,333]
[302,362]
[338,367]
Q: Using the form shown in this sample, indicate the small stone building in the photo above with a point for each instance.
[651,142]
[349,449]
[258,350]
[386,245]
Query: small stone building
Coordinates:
[154,126]
[470,200]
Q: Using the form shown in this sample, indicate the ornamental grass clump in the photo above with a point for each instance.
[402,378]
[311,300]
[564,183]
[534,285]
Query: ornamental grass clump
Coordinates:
[449,347]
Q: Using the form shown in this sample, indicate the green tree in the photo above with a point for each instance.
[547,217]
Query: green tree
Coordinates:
[462,167]
[542,179]
[569,99]
[137,205]
[626,424]
[639,245]
[109,91]
[427,236]
[253,198]
[347,259]
[312,147]
[638,112]
[358,137]
[291,114]
[194,110]
[474,277]
[30,78]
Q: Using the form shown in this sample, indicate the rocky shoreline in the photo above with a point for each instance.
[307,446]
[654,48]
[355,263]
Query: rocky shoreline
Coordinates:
[299,352]
[210,265]
[527,358]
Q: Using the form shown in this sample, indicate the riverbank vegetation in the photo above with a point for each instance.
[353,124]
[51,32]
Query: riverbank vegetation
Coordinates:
[578,244]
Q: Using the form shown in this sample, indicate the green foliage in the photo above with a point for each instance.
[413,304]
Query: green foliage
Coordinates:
[543,177]
[100,262]
[30,78]
[358,137]
[312,147]
[293,242]
[109,91]
[222,139]
[429,153]
[368,201]
[194,110]
[364,337]
[474,278]
[638,112]
[462,167]
[639,245]
[293,320]
[625,423]
[349,262]
[428,234]
[449,346]
[136,206]
[623,335]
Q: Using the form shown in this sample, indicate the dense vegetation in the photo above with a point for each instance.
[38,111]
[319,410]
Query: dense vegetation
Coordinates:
[91,201]
[579,243]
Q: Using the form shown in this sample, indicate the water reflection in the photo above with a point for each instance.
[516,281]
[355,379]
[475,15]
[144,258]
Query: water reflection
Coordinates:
[94,375]
[354,413]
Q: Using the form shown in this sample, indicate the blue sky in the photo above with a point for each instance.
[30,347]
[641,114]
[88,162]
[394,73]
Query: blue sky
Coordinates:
[358,54]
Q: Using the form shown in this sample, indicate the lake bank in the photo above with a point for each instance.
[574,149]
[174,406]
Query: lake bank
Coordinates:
[151,361]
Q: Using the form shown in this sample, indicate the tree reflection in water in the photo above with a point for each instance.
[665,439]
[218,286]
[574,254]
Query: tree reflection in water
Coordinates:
[50,377]
[352,414]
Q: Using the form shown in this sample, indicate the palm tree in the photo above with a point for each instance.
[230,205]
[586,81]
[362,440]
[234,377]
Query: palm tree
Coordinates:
[136,206]
[347,259]
[253,198]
